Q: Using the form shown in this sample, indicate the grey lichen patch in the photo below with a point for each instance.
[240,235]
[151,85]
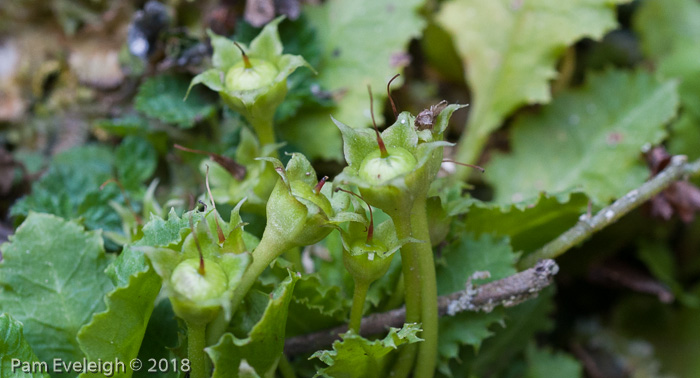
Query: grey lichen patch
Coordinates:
[506,292]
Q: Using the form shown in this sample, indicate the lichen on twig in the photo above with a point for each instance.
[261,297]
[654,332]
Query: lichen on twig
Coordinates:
[587,226]
[506,292]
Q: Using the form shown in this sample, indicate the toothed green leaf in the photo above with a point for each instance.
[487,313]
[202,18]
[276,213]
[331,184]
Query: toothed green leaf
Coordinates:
[529,224]
[262,347]
[52,281]
[357,357]
[136,161]
[596,133]
[511,65]
[459,261]
[161,97]
[543,361]
[14,347]
[117,333]
[358,48]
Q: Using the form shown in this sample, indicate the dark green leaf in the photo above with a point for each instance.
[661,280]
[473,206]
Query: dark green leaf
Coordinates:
[71,189]
[464,329]
[262,348]
[543,362]
[316,305]
[52,280]
[459,261]
[659,260]
[357,357]
[162,97]
[522,322]
[160,340]
[596,134]
[461,258]
[135,160]
[529,224]
[127,125]
[14,348]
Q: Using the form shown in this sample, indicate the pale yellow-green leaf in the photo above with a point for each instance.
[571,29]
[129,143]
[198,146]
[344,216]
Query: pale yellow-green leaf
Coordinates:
[363,42]
[510,48]
[588,138]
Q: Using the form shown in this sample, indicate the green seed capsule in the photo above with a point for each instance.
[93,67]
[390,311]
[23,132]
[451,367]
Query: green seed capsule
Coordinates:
[261,74]
[196,293]
[188,282]
[377,170]
[365,262]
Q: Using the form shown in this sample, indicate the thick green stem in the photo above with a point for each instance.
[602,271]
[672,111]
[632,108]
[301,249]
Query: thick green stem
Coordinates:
[269,248]
[358,304]
[196,342]
[427,352]
[421,292]
[271,245]
[411,278]
[264,128]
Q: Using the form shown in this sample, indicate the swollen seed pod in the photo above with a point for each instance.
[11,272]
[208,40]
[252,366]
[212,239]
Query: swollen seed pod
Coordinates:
[392,179]
[242,78]
[199,273]
[377,170]
[196,294]
[367,261]
[367,253]
[254,85]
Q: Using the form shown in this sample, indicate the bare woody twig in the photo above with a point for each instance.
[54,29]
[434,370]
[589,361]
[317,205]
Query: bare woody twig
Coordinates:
[676,170]
[506,292]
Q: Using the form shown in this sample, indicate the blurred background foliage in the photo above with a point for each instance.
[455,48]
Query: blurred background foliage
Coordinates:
[566,99]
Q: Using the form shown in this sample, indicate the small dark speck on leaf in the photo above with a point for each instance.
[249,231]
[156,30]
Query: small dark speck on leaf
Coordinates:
[336,52]
[615,138]
[400,59]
